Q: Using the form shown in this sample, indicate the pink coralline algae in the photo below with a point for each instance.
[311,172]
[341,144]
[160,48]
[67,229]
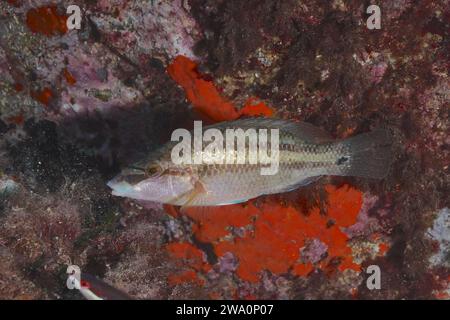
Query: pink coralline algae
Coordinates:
[92,87]
[87,76]
[155,28]
[440,232]
[378,71]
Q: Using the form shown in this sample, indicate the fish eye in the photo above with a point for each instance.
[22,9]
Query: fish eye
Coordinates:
[153,170]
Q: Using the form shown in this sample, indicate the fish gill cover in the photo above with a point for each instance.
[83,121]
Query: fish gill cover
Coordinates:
[78,105]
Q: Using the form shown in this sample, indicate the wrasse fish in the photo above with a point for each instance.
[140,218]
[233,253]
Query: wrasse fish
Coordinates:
[305,153]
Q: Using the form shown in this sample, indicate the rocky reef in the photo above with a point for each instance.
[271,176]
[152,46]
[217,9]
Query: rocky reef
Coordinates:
[78,104]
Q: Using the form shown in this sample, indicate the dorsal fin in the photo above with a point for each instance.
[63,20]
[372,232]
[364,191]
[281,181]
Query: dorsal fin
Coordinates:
[302,130]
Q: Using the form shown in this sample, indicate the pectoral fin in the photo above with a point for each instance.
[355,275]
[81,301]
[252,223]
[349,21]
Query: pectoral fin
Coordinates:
[198,190]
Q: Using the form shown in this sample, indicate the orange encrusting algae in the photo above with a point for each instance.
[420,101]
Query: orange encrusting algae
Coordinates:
[205,97]
[191,255]
[210,228]
[69,77]
[383,248]
[185,276]
[43,96]
[18,87]
[47,21]
[444,292]
[276,234]
[271,235]
[18,119]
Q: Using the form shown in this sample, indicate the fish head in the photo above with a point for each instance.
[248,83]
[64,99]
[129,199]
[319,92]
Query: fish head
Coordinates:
[152,182]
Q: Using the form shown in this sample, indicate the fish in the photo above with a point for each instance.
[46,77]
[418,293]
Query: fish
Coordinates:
[305,154]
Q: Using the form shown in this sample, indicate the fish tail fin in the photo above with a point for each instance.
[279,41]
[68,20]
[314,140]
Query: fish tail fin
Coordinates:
[366,155]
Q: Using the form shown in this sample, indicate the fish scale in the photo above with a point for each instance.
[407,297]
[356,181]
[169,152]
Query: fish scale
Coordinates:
[235,183]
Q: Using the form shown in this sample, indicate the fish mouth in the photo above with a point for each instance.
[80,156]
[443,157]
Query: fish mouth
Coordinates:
[125,184]
[120,188]
[138,184]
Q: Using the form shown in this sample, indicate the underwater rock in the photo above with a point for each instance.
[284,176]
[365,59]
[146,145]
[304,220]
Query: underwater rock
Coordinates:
[78,105]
